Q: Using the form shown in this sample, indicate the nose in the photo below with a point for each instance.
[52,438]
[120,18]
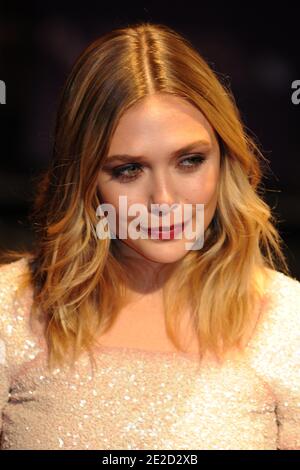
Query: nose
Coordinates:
[162,193]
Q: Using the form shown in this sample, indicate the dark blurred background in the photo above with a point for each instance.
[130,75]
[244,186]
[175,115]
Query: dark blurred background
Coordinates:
[254,49]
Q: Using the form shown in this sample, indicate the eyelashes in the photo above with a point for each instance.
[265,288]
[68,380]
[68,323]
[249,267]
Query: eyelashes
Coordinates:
[125,173]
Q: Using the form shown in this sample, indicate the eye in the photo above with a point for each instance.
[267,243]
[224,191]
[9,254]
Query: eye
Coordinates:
[126,172]
[130,172]
[195,161]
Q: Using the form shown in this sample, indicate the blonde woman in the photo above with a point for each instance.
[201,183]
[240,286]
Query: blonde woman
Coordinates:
[111,342]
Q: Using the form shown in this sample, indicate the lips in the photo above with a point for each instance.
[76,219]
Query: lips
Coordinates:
[163,229]
[166,229]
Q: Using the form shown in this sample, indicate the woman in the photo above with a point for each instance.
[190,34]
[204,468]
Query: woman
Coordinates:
[113,342]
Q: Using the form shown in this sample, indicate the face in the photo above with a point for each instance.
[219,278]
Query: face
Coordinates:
[155,171]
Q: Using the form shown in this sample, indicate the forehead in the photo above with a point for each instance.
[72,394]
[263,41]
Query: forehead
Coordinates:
[160,119]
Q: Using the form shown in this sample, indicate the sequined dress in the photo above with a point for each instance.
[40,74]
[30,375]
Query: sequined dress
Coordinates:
[141,399]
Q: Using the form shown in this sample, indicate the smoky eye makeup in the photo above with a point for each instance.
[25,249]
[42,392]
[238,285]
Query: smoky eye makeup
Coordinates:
[131,171]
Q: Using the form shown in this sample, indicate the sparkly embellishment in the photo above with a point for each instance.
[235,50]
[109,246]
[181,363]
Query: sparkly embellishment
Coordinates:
[152,400]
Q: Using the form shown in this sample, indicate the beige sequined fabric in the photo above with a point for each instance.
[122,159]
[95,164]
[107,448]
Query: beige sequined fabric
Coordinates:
[139,399]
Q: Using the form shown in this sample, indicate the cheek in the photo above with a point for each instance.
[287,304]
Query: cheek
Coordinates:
[111,191]
[203,188]
[110,194]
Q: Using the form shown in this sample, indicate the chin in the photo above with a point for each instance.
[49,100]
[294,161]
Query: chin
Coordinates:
[163,252]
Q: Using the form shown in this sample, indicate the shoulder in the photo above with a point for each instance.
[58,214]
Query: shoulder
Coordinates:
[275,346]
[10,272]
[16,297]
[284,281]
[283,298]
[12,276]
[280,314]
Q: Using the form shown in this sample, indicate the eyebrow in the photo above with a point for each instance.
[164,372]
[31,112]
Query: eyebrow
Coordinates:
[125,157]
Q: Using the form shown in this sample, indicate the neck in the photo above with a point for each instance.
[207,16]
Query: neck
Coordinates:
[143,276]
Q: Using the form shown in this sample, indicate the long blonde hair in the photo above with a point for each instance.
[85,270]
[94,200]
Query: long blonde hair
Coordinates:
[78,282]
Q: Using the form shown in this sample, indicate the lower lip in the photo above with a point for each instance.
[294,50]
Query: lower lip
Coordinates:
[166,234]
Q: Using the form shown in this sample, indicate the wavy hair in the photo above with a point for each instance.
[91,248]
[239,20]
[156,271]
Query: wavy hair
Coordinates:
[79,283]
